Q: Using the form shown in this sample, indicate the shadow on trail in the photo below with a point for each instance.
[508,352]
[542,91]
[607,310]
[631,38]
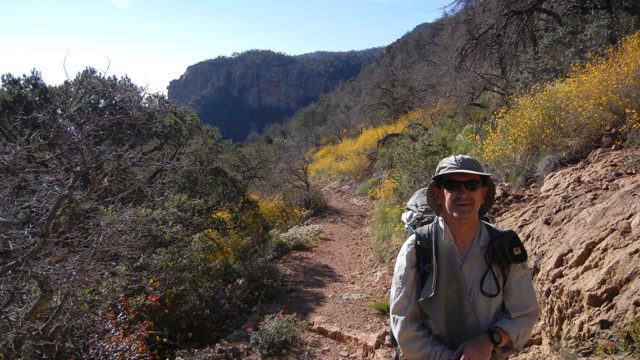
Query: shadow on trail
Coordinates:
[341,215]
[307,280]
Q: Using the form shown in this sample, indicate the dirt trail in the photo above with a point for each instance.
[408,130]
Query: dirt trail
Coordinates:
[332,286]
[335,285]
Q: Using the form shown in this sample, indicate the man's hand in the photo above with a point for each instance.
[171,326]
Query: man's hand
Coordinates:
[477,348]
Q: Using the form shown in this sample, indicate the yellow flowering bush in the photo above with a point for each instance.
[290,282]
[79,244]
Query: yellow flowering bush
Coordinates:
[279,213]
[352,156]
[565,116]
[384,191]
[234,232]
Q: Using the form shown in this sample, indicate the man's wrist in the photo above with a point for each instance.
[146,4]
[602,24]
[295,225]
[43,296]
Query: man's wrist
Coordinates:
[495,337]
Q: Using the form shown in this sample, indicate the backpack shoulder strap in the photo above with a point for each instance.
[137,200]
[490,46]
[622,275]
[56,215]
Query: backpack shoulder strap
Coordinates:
[492,229]
[425,251]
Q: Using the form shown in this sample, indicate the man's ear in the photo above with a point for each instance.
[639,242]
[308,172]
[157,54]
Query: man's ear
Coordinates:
[437,194]
[484,193]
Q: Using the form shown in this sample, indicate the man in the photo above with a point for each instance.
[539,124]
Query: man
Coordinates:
[468,308]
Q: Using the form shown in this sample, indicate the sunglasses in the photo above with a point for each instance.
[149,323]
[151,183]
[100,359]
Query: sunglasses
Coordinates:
[454,185]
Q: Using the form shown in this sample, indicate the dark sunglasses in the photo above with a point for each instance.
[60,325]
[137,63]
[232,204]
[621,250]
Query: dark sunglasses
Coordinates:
[454,185]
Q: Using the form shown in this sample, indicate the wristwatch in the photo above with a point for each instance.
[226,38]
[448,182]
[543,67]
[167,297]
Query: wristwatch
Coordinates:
[494,337]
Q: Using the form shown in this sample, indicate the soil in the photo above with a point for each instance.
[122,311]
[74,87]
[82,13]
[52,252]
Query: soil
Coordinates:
[333,287]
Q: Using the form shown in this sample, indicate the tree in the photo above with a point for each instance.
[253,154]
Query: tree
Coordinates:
[76,160]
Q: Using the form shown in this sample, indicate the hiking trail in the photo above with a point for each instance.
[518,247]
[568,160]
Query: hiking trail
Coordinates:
[333,287]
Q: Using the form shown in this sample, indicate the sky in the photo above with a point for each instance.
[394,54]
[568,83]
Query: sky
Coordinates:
[154,41]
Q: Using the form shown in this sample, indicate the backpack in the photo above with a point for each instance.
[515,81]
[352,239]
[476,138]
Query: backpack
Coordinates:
[505,247]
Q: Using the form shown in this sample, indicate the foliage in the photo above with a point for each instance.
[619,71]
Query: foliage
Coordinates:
[381,307]
[298,238]
[121,333]
[414,157]
[627,343]
[76,162]
[387,231]
[352,156]
[566,348]
[113,195]
[203,300]
[277,333]
[279,213]
[368,188]
[568,116]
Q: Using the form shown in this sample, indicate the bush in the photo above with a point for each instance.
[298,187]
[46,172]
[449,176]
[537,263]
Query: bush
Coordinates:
[122,334]
[201,298]
[277,333]
[381,308]
[387,231]
[351,157]
[297,238]
[627,343]
[414,158]
[279,213]
[367,188]
[570,116]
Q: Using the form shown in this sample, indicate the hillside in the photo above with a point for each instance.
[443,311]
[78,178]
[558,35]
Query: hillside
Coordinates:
[242,94]
[580,226]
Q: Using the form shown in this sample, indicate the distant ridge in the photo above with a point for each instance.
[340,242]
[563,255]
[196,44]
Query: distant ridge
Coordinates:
[242,94]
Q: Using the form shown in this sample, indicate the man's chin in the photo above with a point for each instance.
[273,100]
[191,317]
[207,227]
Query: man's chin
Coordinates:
[464,214]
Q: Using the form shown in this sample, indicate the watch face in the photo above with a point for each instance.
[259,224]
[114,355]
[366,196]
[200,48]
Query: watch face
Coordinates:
[495,337]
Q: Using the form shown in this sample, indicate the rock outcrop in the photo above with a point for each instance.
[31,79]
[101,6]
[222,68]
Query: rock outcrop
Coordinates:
[242,94]
[582,229]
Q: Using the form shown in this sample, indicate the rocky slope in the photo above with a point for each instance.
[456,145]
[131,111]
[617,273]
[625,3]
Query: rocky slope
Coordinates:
[242,94]
[581,228]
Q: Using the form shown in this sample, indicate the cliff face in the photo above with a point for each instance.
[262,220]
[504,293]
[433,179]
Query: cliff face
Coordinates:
[244,93]
[581,229]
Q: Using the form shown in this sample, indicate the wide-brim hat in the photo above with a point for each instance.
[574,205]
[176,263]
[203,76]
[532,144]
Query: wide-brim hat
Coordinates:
[467,165]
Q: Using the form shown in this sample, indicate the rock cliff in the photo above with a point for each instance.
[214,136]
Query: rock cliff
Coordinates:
[242,94]
[581,228]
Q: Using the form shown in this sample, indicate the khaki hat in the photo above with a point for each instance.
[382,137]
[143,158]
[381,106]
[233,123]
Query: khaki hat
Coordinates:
[462,164]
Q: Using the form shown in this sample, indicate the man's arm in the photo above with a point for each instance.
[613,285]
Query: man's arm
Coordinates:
[521,306]
[407,320]
[480,347]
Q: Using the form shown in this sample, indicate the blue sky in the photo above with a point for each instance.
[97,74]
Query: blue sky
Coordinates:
[154,41]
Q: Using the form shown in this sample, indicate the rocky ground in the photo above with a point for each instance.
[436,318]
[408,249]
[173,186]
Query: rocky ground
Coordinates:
[581,227]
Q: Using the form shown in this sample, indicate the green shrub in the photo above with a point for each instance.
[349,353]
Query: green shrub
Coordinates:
[627,344]
[201,299]
[381,307]
[387,231]
[365,188]
[414,159]
[276,333]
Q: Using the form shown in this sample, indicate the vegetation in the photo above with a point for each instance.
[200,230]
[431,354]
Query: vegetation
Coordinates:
[122,219]
[627,344]
[277,333]
[130,229]
[223,90]
[569,116]
[381,308]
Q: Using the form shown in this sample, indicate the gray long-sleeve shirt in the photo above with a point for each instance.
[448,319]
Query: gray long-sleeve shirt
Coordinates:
[413,329]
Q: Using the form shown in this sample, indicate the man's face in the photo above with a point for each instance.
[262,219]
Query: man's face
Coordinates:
[461,203]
